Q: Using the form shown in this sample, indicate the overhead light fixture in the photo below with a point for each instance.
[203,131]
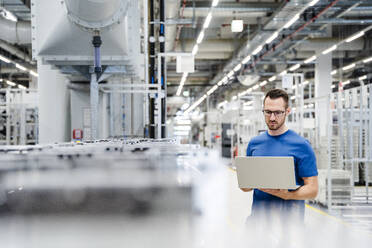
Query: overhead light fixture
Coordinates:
[257,50]
[20,67]
[6,60]
[293,97]
[237,26]
[334,72]
[195,49]
[249,90]
[293,20]
[348,67]
[363,78]
[21,86]
[272,37]
[367,60]
[220,83]
[234,98]
[1,79]
[207,20]
[332,48]
[295,67]
[283,73]
[306,82]
[356,36]
[263,83]
[183,80]
[312,3]
[255,87]
[34,73]
[237,68]
[346,82]
[215,3]
[333,86]
[312,58]
[200,37]
[246,59]
[272,78]
[10,83]
[231,73]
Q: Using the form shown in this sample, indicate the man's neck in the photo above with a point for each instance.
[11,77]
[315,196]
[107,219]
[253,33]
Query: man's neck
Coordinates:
[280,131]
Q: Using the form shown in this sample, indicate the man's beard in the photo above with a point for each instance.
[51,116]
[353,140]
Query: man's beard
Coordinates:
[274,125]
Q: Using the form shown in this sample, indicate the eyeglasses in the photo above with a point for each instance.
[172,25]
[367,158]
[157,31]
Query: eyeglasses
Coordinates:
[268,113]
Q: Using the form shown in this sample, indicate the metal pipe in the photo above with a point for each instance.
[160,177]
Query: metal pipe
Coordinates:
[15,32]
[152,70]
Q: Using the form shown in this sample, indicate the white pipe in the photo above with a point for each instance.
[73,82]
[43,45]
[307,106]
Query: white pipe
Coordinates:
[15,32]
[15,51]
[172,9]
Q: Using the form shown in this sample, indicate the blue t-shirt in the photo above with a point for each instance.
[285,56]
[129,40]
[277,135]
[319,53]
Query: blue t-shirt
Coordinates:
[287,144]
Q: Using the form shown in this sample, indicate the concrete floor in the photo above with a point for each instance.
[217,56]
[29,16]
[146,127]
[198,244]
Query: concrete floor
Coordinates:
[220,223]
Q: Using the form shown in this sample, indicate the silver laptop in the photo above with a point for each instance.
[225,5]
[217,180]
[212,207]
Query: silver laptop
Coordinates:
[266,172]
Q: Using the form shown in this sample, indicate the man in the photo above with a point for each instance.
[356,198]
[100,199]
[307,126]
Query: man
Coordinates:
[280,141]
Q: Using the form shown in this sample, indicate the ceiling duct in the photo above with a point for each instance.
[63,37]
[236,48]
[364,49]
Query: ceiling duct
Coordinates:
[15,32]
[96,14]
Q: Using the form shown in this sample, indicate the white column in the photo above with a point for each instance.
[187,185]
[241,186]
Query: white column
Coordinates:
[323,82]
[54,106]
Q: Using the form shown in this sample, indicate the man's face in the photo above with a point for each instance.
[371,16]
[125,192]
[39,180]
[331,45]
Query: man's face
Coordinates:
[275,113]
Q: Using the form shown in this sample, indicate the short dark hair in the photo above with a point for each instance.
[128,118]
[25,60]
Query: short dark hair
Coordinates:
[277,93]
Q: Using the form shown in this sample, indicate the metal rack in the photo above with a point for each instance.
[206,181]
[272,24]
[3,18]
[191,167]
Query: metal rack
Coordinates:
[18,117]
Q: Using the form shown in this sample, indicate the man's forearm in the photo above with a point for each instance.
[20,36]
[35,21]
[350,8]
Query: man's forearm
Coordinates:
[305,192]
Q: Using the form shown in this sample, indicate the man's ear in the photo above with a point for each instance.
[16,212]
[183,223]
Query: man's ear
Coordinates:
[288,110]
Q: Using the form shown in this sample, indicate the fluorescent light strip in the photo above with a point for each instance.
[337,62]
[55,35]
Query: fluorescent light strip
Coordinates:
[207,20]
[332,48]
[263,83]
[295,67]
[293,97]
[257,50]
[333,86]
[200,37]
[348,67]
[346,82]
[356,36]
[283,73]
[10,83]
[334,72]
[231,73]
[234,98]
[363,78]
[214,3]
[34,73]
[6,60]
[312,3]
[246,59]
[238,67]
[20,67]
[255,87]
[367,60]
[293,20]
[312,58]
[195,49]
[272,78]
[21,86]
[272,37]
[305,82]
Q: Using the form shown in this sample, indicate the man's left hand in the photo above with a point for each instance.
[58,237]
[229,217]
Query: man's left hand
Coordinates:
[281,193]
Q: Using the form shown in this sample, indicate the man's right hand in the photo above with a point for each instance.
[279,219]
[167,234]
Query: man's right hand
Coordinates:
[246,189]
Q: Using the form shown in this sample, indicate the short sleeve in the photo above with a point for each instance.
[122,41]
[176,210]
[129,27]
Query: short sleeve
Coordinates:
[249,149]
[307,163]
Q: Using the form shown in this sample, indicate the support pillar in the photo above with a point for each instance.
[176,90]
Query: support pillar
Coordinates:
[54,106]
[323,83]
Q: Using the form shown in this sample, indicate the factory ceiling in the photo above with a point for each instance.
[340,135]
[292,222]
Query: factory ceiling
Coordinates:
[317,27]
